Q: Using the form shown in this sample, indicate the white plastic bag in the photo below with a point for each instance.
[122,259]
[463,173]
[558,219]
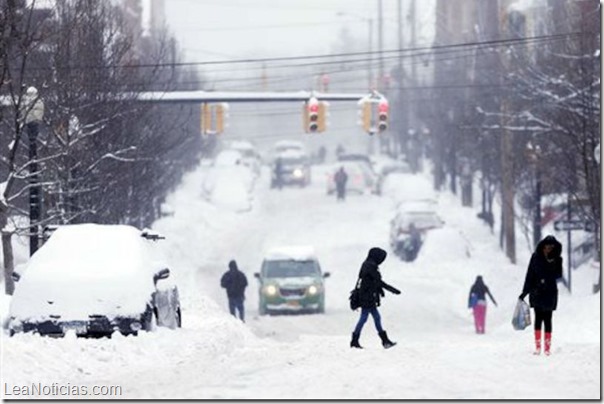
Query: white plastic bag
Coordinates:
[522,315]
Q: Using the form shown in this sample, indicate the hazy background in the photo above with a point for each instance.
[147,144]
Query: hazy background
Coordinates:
[223,30]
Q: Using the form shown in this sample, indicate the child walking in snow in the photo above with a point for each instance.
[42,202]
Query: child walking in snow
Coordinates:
[477,301]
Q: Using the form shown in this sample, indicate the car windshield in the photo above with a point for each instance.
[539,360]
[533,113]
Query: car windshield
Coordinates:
[420,220]
[289,268]
[292,161]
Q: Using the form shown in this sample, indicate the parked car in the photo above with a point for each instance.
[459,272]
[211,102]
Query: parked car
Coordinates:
[95,279]
[291,281]
[401,236]
[228,183]
[249,155]
[360,179]
[295,168]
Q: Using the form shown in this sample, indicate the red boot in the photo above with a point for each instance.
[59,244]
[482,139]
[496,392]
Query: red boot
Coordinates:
[548,343]
[538,342]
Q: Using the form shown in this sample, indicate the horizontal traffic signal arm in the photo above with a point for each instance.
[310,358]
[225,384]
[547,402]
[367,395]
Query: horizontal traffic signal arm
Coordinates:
[226,96]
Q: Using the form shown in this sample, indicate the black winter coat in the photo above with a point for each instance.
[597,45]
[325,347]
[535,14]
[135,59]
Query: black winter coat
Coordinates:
[372,285]
[540,282]
[235,282]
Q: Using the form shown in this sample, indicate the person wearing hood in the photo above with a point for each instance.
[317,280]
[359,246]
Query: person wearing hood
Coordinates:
[235,282]
[477,301]
[371,288]
[544,270]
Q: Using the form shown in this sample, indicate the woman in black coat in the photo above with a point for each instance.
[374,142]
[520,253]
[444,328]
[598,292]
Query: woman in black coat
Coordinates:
[370,290]
[544,270]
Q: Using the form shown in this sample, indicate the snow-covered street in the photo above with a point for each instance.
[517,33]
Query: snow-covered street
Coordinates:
[438,355]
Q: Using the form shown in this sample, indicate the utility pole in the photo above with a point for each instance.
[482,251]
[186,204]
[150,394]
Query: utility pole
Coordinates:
[380,79]
[400,146]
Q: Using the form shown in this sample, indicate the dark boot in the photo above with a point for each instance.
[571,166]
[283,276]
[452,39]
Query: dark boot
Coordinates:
[354,343]
[386,343]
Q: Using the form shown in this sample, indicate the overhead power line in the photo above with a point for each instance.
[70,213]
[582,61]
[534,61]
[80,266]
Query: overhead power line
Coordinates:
[395,52]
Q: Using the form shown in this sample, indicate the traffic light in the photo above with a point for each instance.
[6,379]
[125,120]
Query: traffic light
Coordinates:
[383,115]
[221,112]
[213,118]
[206,119]
[313,117]
[366,116]
[322,119]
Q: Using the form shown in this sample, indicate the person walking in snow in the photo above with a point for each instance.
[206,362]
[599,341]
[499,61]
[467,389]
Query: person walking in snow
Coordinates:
[544,270]
[235,282]
[371,288]
[340,179]
[477,301]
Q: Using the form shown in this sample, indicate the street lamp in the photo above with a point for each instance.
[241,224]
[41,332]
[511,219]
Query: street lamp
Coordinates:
[369,22]
[33,116]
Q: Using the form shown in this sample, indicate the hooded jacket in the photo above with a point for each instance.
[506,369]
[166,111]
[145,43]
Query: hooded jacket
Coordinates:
[541,276]
[372,286]
[234,281]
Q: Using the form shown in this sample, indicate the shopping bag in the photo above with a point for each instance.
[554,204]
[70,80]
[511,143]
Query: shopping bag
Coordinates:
[522,315]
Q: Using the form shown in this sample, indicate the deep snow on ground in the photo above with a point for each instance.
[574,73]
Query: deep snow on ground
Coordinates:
[307,356]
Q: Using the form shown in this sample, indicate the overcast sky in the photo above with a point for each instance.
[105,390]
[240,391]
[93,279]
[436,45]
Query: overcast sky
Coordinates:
[241,29]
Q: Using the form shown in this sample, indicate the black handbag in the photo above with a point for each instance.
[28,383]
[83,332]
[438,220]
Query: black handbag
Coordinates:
[355,296]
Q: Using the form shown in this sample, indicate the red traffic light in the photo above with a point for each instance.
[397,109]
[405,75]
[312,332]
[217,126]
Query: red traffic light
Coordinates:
[383,107]
[313,108]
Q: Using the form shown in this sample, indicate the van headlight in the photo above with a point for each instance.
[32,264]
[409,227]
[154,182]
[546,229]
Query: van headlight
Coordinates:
[298,173]
[270,290]
[313,290]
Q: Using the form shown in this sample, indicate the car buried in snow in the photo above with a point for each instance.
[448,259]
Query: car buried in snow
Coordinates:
[291,281]
[94,280]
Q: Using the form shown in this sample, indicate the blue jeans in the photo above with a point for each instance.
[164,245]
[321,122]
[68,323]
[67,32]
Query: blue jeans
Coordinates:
[377,319]
[237,303]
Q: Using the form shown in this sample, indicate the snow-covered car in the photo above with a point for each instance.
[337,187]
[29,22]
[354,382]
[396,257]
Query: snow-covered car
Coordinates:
[400,228]
[295,169]
[360,179]
[249,155]
[94,280]
[228,183]
[291,281]
[401,187]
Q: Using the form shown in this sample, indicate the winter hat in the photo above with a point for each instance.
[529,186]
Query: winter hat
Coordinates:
[232,265]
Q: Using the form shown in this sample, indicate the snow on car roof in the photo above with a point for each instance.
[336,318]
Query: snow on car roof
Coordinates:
[290,153]
[241,145]
[229,157]
[298,253]
[85,267]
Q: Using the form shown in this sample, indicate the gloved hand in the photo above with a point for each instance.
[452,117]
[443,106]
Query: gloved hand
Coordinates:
[521,297]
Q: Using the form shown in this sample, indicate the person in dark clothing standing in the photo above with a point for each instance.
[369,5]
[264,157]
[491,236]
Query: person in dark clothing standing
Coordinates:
[477,301]
[340,179]
[235,282]
[279,172]
[371,288]
[544,270]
